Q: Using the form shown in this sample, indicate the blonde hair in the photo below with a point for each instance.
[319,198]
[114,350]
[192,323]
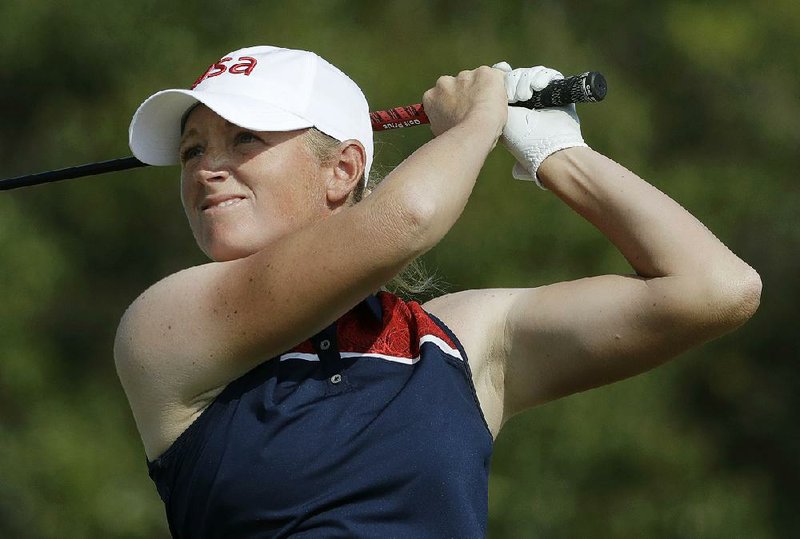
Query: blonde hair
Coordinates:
[414,281]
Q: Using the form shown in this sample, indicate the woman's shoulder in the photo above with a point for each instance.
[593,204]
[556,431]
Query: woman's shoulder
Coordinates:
[147,354]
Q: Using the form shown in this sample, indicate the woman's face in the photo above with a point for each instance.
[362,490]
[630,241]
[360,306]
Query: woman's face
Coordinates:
[243,189]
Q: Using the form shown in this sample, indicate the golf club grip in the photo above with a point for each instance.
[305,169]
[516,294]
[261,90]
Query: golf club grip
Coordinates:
[588,87]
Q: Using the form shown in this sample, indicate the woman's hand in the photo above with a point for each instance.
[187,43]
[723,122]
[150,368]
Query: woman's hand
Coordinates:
[477,96]
[532,135]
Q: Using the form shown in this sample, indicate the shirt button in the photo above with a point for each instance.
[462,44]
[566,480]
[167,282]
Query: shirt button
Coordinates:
[336,378]
[324,345]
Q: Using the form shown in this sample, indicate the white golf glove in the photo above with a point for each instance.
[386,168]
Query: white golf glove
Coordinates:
[531,135]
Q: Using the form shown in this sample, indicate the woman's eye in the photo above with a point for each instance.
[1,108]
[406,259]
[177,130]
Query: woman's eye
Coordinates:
[190,152]
[245,136]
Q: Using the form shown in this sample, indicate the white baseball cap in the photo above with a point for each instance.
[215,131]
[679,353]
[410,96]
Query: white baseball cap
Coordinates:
[261,88]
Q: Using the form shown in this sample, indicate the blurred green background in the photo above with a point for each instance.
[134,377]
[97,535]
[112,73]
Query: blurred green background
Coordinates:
[703,102]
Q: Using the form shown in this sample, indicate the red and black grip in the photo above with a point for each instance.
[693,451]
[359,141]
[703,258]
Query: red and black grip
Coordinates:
[588,87]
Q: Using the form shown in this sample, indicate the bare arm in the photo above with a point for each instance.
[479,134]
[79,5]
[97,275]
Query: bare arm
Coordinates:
[199,329]
[544,343]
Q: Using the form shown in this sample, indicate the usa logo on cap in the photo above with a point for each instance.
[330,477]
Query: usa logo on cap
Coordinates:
[245,66]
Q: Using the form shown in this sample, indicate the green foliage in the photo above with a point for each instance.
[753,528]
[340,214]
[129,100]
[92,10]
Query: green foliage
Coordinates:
[702,101]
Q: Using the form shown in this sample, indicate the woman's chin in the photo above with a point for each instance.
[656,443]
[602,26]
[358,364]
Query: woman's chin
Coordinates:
[223,252]
[231,244]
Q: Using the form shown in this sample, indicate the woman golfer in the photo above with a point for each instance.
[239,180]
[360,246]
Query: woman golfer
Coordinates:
[279,392]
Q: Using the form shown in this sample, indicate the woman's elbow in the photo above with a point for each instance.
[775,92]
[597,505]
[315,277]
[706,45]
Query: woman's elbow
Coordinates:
[749,295]
[414,222]
[737,297]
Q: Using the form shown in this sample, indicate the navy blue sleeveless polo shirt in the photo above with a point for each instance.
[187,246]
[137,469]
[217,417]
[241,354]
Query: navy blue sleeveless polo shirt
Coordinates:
[371,428]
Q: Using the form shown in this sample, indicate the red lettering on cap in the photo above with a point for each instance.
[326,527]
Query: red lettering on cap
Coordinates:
[217,68]
[244,66]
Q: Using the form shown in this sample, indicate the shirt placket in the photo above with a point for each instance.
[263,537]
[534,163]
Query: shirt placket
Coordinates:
[326,347]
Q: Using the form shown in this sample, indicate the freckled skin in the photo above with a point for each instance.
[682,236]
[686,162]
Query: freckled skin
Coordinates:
[279,180]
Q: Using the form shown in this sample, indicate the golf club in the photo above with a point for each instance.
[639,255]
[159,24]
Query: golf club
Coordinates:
[587,87]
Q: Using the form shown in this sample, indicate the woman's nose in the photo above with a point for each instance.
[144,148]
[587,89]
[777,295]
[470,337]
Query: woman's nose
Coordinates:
[213,167]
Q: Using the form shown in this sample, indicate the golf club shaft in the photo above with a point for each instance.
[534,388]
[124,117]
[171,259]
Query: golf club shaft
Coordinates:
[585,88]
[80,171]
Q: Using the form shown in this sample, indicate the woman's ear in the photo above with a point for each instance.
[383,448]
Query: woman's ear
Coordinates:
[347,170]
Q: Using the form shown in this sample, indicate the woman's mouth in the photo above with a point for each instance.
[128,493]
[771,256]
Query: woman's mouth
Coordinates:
[220,202]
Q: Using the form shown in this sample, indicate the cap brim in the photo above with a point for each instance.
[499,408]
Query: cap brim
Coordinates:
[155,131]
